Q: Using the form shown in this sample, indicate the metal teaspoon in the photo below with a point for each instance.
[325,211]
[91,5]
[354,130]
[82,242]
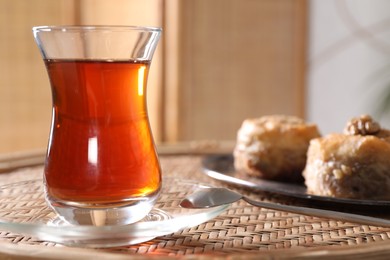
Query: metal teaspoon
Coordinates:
[212,197]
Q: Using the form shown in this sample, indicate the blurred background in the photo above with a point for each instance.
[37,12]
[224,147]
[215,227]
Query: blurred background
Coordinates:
[219,62]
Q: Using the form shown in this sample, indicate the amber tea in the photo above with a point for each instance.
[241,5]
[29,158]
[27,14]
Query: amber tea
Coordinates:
[110,156]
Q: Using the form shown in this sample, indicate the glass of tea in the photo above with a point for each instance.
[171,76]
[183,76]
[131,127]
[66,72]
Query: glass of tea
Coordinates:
[101,165]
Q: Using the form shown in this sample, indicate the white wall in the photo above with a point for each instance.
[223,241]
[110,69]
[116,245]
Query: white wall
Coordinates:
[349,61]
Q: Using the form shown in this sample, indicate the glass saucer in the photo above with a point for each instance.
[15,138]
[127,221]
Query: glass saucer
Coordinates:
[23,210]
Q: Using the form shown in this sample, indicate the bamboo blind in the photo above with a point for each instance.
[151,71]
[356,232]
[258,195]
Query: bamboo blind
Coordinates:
[218,63]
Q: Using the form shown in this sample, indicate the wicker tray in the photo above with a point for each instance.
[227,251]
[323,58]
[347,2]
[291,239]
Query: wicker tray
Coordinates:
[241,231]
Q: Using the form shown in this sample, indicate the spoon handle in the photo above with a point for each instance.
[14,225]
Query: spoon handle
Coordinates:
[361,219]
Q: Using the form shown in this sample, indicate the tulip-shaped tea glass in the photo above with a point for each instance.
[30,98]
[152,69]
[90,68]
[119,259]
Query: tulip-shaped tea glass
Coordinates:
[101,165]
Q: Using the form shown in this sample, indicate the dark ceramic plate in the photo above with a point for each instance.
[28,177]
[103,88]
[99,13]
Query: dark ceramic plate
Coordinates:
[221,167]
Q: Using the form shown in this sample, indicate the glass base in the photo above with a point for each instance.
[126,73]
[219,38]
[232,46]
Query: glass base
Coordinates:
[120,214]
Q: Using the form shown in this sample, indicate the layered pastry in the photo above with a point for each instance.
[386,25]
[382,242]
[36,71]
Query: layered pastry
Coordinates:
[273,147]
[355,164]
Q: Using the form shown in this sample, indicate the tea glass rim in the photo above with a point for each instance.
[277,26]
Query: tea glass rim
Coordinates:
[66,28]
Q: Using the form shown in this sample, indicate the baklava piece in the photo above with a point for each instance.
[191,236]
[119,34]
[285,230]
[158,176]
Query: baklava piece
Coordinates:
[354,165]
[273,147]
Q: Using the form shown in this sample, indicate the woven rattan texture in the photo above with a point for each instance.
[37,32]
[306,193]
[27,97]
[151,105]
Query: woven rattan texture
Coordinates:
[242,228]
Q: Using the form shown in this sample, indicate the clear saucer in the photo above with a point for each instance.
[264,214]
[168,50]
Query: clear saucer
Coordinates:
[23,210]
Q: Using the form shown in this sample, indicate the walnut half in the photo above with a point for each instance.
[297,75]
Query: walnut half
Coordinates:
[363,125]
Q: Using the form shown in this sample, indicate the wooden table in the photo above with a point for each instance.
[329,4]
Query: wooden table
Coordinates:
[243,231]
